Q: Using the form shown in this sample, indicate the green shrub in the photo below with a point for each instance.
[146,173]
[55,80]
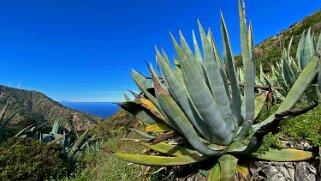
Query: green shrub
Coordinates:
[27,159]
[269,141]
[304,127]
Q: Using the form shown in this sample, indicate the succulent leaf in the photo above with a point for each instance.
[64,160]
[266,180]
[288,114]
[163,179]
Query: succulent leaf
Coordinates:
[150,160]
[57,139]
[249,71]
[174,150]
[229,61]
[139,112]
[284,155]
[318,47]
[5,121]
[178,89]
[56,126]
[187,50]
[215,173]
[248,63]
[216,81]
[77,144]
[184,126]
[197,50]
[142,134]
[300,50]
[158,128]
[146,103]
[183,55]
[259,103]
[3,111]
[218,59]
[243,171]
[203,100]
[288,73]
[263,78]
[289,47]
[143,85]
[309,49]
[127,98]
[228,167]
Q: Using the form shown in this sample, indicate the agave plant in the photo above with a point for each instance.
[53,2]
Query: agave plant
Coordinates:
[200,100]
[287,70]
[4,120]
[71,142]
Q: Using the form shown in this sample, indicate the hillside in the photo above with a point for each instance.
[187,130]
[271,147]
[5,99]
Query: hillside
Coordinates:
[35,107]
[269,51]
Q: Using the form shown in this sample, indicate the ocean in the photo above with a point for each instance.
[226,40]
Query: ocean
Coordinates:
[101,109]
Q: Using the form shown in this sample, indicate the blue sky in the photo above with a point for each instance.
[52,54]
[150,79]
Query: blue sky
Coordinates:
[77,50]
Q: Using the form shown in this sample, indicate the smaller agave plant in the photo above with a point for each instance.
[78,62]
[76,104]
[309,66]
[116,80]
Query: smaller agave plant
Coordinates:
[4,121]
[287,70]
[200,100]
[71,142]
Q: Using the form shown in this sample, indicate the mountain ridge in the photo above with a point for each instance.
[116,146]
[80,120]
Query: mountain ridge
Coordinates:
[35,107]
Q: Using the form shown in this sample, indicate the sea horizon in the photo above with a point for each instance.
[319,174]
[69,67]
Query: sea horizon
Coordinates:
[100,109]
[90,101]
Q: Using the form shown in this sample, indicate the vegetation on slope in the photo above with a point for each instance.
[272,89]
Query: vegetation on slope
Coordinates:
[28,159]
[304,128]
[35,107]
[114,125]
